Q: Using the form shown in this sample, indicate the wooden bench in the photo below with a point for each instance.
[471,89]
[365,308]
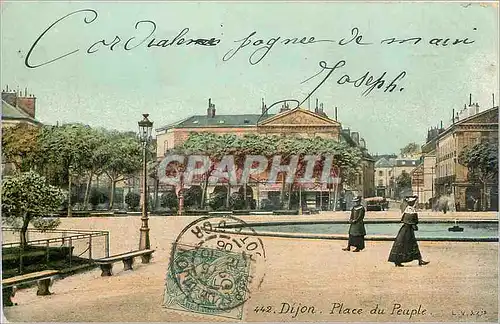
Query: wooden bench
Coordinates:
[106,264]
[42,277]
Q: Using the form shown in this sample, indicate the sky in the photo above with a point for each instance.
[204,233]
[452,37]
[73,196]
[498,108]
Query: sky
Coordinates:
[113,88]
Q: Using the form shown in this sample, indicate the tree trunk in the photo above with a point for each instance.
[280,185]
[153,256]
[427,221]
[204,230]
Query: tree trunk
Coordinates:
[289,196]
[70,209]
[228,195]
[156,189]
[112,194]
[22,233]
[245,195]
[204,193]
[282,194]
[483,198]
[87,191]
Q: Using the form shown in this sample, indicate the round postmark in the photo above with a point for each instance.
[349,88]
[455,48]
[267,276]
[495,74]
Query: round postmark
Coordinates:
[213,270]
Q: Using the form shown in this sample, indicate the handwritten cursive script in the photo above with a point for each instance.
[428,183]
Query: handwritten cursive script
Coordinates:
[127,43]
[260,47]
[366,81]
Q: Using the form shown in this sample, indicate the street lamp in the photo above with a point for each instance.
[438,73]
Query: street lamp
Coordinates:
[145,127]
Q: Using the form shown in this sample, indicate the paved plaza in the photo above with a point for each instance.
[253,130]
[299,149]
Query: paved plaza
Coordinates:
[460,283]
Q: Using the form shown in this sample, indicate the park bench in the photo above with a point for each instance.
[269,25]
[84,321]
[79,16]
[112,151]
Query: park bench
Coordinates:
[106,264]
[42,277]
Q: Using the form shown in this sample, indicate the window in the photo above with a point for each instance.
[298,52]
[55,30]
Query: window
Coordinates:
[381,183]
[403,162]
[380,173]
[390,173]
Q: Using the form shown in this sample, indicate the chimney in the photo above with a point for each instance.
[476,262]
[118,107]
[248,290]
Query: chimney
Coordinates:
[336,113]
[470,99]
[27,104]
[213,111]
[355,137]
[362,143]
[441,124]
[264,107]
[453,116]
[316,110]
[477,108]
[493,96]
[471,110]
[209,109]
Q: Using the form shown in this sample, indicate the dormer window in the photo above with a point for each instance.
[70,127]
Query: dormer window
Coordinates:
[246,121]
[221,122]
[195,122]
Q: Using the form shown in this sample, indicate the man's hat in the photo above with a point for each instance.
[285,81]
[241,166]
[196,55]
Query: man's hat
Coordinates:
[356,199]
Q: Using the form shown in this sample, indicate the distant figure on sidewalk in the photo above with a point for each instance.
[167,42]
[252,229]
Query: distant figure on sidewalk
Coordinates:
[357,230]
[405,247]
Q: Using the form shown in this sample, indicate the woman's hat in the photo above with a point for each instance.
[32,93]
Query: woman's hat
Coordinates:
[411,198]
[356,199]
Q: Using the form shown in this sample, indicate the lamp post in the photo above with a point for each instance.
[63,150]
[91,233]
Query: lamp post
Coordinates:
[145,127]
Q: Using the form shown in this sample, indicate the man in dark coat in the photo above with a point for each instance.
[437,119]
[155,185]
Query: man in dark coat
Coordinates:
[357,230]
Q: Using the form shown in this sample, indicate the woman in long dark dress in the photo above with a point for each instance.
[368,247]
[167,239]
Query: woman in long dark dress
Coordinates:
[357,229]
[405,247]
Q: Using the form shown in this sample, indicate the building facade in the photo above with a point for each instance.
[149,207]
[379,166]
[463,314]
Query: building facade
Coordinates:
[295,122]
[384,177]
[450,176]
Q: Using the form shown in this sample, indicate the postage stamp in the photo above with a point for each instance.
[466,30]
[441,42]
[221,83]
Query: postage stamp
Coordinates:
[212,272]
[249,161]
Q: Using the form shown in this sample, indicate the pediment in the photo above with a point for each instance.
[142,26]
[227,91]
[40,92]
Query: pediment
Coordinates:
[486,117]
[299,117]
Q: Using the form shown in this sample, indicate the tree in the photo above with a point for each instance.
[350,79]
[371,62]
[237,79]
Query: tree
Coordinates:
[99,156]
[410,149]
[19,145]
[481,161]
[403,181]
[132,199]
[345,157]
[169,200]
[64,152]
[27,198]
[125,156]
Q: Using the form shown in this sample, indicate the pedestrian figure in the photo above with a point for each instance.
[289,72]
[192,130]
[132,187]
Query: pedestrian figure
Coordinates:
[405,247]
[445,207]
[357,230]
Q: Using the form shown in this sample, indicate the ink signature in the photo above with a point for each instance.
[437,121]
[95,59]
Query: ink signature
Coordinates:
[366,81]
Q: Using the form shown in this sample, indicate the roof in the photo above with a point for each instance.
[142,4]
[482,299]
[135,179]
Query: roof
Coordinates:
[466,120]
[407,162]
[10,112]
[201,121]
[384,163]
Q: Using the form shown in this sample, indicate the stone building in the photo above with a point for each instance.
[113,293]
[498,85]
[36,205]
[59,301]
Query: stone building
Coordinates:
[18,107]
[469,126]
[298,121]
[384,177]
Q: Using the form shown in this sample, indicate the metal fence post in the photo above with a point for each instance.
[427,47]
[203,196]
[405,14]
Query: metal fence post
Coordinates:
[107,244]
[21,266]
[70,250]
[48,252]
[90,247]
